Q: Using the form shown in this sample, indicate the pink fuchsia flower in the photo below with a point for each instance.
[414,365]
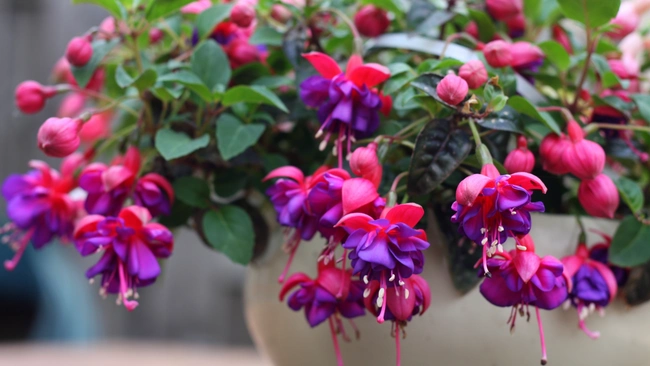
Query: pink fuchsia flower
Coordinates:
[516,26]
[387,249]
[491,207]
[347,103]
[96,128]
[551,152]
[196,7]
[452,89]
[561,37]
[155,193]
[59,137]
[242,14]
[79,51]
[474,73]
[626,68]
[626,21]
[504,9]
[520,159]
[240,53]
[472,29]
[599,196]
[371,21]
[498,54]
[72,105]
[583,158]
[594,285]
[364,163]
[31,96]
[39,207]
[131,247]
[521,279]
[526,57]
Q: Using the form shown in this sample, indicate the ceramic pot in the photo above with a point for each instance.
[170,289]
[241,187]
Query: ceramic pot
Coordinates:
[457,329]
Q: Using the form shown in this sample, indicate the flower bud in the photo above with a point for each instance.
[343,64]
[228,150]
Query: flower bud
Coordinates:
[155,35]
[585,159]
[79,51]
[474,73]
[59,137]
[371,21]
[365,163]
[520,159]
[504,9]
[240,53]
[97,127]
[108,29]
[71,105]
[599,196]
[560,36]
[551,152]
[31,96]
[242,15]
[472,29]
[626,21]
[498,54]
[526,55]
[452,89]
[280,13]
[516,26]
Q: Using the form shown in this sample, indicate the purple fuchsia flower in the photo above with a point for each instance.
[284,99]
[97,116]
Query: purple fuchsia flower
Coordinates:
[348,104]
[131,246]
[155,193]
[39,207]
[386,249]
[594,285]
[491,207]
[521,279]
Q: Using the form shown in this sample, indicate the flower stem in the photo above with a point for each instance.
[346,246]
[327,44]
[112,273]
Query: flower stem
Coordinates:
[475,134]
[358,42]
[565,112]
[335,341]
[613,126]
[591,47]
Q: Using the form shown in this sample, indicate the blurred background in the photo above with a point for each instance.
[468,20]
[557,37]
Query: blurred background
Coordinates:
[197,301]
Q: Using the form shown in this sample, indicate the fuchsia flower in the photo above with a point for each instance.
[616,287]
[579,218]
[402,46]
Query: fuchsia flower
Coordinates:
[491,207]
[498,54]
[504,9]
[594,285]
[31,96]
[364,163]
[626,21]
[155,193]
[242,14]
[599,196]
[520,159]
[59,137]
[551,152]
[452,89]
[560,36]
[155,35]
[387,249]
[474,73]
[516,26]
[79,51]
[371,21]
[72,105]
[521,279]
[131,245]
[526,57]
[348,104]
[583,158]
[39,207]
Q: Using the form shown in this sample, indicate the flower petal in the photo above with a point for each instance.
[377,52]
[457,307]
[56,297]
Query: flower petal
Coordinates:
[292,282]
[325,65]
[369,75]
[290,172]
[527,181]
[408,213]
[527,263]
[357,192]
[470,187]
[608,276]
[571,264]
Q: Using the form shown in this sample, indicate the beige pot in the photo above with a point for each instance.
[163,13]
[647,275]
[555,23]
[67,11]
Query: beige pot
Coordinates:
[456,330]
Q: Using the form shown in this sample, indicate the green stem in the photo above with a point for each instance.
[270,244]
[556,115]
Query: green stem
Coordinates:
[612,126]
[475,134]
[358,42]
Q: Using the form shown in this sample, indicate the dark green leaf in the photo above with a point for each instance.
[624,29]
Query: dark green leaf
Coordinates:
[172,144]
[591,13]
[273,81]
[208,19]
[523,106]
[556,53]
[112,6]
[162,8]
[266,36]
[439,150]
[631,194]
[252,94]
[181,212]
[642,102]
[146,80]
[228,184]
[191,81]
[630,243]
[193,191]
[210,64]
[485,25]
[122,77]
[637,287]
[506,119]
[230,231]
[101,48]
[234,137]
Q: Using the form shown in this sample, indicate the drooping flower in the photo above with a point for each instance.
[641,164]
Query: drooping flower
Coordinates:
[520,159]
[371,21]
[526,57]
[491,207]
[561,37]
[521,279]
[504,9]
[131,246]
[594,285]
[387,249]
[599,196]
[242,14]
[39,207]
[154,192]
[625,22]
[97,127]
[348,104]
[551,152]
[516,26]
[584,158]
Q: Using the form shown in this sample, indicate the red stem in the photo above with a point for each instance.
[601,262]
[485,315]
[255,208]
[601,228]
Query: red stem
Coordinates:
[398,349]
[541,336]
[335,341]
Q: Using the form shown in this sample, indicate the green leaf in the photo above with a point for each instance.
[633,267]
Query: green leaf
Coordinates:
[208,19]
[101,48]
[498,103]
[591,13]
[428,83]
[273,81]
[191,81]
[523,106]
[252,94]
[146,80]
[230,231]
[642,102]
[439,150]
[112,6]
[485,25]
[122,77]
[267,36]
[172,144]
[210,64]
[531,8]
[227,185]
[162,8]
[192,191]
[630,243]
[234,137]
[506,119]
[396,6]
[608,77]
[556,54]
[631,193]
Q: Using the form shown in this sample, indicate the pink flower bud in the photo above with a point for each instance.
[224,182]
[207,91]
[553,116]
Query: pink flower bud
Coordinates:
[520,159]
[371,21]
[79,51]
[97,127]
[31,96]
[524,53]
[365,163]
[516,26]
[599,196]
[240,53]
[626,21]
[155,35]
[242,15]
[59,137]
[560,36]
[280,13]
[71,105]
[452,89]
[551,152]
[474,73]
[498,54]
[585,159]
[472,29]
[61,71]
[504,9]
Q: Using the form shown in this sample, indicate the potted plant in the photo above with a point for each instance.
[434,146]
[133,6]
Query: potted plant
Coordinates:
[437,173]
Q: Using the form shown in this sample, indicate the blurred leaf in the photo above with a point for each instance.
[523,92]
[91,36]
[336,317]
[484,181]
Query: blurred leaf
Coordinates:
[228,184]
[631,193]
[608,78]
[234,137]
[192,191]
[181,212]
[162,8]
[230,231]
[556,54]
[523,106]
[210,64]
[112,6]
[273,81]
[642,102]
[485,25]
[208,19]
[531,8]
[630,243]
[266,36]
[172,144]
[101,48]
[252,94]
[591,13]
[191,81]
[636,290]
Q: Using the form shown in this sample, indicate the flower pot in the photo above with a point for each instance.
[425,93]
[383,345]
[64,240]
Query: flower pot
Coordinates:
[457,329]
